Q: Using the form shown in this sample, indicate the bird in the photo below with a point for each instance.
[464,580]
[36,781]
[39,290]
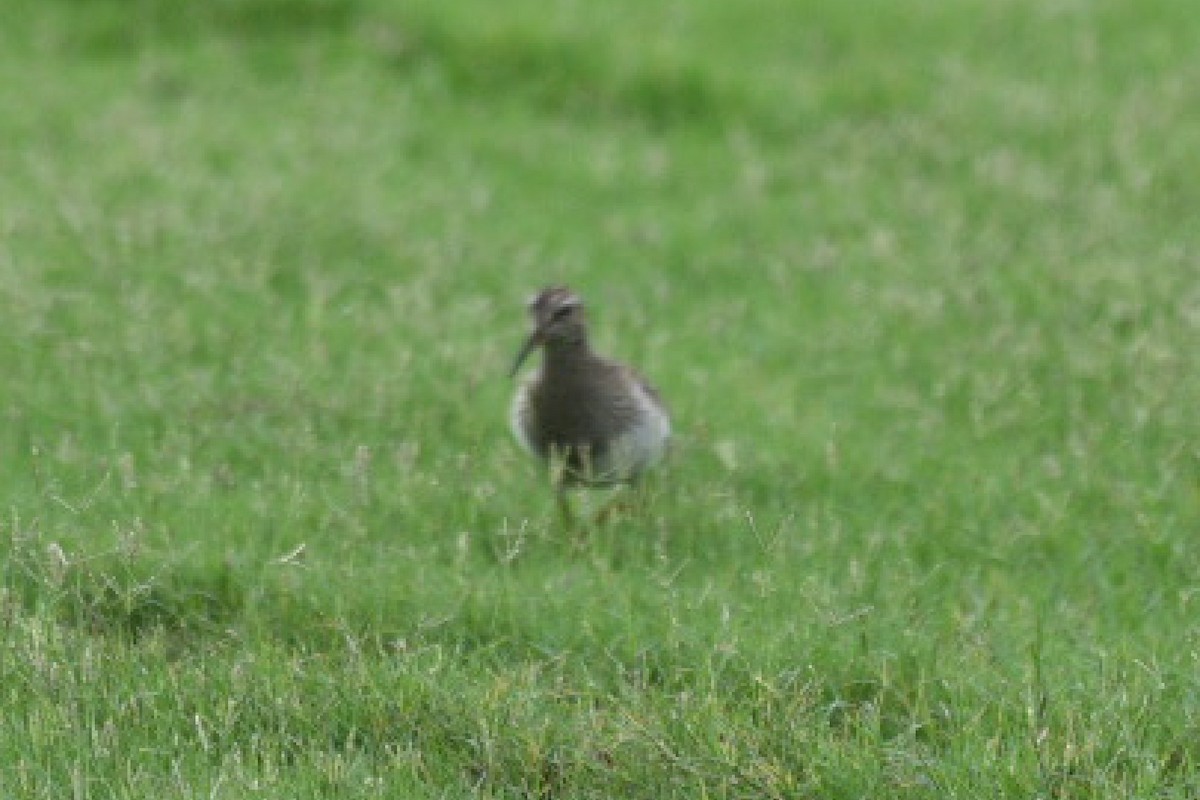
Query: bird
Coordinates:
[594,421]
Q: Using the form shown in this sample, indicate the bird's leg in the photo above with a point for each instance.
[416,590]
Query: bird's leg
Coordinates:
[618,503]
[610,507]
[564,508]
[631,498]
[558,479]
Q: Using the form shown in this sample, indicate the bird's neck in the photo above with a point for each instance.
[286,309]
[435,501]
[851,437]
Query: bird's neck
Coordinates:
[567,357]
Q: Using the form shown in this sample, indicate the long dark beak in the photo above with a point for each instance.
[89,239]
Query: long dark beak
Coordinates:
[531,343]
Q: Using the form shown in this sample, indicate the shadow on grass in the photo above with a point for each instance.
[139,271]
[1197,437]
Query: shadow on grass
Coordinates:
[566,75]
[115,28]
[118,594]
[184,602]
[569,74]
[114,599]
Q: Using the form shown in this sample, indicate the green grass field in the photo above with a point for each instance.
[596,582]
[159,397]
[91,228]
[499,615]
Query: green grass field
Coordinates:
[920,281]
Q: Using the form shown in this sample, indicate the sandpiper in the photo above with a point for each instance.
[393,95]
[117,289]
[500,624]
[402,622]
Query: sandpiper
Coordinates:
[595,421]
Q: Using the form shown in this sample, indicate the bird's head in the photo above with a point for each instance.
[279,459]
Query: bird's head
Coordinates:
[558,318]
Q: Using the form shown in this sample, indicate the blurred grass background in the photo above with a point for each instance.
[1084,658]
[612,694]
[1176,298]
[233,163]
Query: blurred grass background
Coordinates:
[919,281]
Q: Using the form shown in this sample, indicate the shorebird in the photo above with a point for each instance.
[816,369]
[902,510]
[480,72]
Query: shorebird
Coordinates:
[592,420]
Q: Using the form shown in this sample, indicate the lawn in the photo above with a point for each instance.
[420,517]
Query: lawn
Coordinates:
[919,280]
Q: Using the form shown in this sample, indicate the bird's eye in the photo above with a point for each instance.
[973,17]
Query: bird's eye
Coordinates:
[562,312]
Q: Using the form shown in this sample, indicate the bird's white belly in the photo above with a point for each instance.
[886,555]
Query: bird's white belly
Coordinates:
[643,444]
[517,417]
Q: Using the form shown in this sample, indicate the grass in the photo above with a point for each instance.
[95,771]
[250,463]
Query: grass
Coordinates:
[919,281]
